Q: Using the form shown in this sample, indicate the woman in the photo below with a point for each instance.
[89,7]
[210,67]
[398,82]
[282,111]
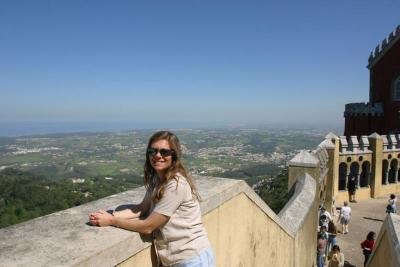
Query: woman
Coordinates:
[344,217]
[336,258]
[332,231]
[367,245]
[170,209]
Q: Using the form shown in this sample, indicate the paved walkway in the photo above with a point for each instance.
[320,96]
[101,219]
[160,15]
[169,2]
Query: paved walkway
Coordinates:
[367,215]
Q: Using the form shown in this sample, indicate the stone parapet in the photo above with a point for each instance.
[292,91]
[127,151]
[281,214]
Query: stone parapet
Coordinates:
[314,163]
[354,145]
[299,204]
[387,247]
[363,109]
[240,226]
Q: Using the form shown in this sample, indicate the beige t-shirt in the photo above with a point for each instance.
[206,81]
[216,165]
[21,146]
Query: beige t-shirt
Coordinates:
[183,236]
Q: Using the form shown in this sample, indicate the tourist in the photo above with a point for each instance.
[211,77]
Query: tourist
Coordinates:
[336,258]
[323,231]
[323,211]
[323,221]
[391,207]
[344,217]
[321,247]
[351,187]
[170,209]
[367,245]
[332,231]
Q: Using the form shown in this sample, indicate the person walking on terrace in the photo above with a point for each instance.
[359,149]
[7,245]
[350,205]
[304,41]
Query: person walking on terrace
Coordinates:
[344,217]
[170,209]
[351,187]
[367,245]
[391,207]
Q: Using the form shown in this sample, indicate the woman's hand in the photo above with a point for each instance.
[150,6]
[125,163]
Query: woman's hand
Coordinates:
[101,218]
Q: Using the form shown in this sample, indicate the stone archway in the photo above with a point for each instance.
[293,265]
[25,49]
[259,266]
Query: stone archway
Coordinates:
[385,171]
[342,176]
[365,174]
[393,171]
[354,171]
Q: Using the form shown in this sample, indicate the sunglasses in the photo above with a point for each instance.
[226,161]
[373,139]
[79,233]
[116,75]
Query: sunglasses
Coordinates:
[164,152]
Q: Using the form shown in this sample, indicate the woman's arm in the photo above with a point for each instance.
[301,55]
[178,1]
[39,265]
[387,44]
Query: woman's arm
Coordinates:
[133,211]
[144,226]
[129,213]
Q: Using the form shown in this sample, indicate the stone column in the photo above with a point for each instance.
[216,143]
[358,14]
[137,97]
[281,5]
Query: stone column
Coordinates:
[358,179]
[347,179]
[376,145]
[331,144]
[396,175]
[387,176]
[369,178]
[301,164]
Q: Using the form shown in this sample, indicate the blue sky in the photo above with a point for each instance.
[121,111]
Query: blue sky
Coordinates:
[186,63]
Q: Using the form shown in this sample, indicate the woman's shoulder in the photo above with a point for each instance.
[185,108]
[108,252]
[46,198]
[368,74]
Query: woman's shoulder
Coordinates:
[177,179]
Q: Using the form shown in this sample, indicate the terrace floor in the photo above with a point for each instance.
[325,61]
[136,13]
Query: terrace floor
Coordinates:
[367,215]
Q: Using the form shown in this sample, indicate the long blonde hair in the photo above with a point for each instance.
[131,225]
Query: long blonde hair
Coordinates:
[172,171]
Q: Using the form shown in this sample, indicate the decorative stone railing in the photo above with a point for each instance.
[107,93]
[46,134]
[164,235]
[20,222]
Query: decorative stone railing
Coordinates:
[242,229]
[387,247]
[361,145]
[391,142]
[354,145]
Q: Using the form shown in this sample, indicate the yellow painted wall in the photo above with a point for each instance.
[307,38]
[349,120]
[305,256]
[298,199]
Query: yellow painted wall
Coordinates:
[361,194]
[386,190]
[305,244]
[242,234]
[382,254]
[143,258]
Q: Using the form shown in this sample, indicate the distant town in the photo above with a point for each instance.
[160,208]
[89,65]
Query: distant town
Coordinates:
[249,154]
[46,173]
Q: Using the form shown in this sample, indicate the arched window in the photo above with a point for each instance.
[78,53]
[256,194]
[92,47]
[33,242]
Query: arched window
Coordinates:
[396,89]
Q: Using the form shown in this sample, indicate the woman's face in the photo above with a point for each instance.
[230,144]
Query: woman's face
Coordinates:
[158,162]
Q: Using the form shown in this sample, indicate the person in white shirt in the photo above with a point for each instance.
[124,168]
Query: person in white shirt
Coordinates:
[323,211]
[391,208]
[344,217]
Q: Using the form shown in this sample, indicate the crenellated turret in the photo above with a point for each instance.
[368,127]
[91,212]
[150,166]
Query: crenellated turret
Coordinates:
[363,109]
[384,46]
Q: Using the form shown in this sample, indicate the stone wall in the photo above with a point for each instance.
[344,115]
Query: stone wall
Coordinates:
[387,247]
[373,160]
[242,229]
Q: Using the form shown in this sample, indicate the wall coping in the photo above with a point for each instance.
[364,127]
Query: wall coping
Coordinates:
[304,159]
[65,239]
[391,225]
[296,209]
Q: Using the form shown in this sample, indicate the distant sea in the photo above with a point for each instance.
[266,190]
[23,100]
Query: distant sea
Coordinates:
[13,129]
[34,128]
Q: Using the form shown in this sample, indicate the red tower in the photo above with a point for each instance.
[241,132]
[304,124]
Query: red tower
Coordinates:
[382,113]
